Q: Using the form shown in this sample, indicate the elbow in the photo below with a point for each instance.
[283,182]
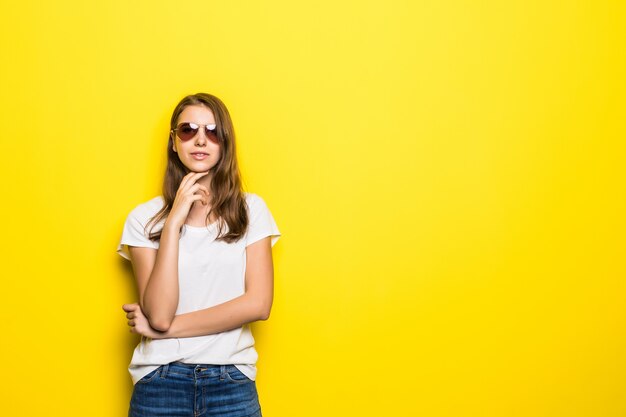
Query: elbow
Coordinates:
[161,324]
[264,312]
[158,320]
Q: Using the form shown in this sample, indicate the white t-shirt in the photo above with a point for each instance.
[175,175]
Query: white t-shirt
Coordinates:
[210,272]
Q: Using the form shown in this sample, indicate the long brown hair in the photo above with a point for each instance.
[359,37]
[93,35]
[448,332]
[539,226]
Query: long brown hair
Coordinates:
[227,198]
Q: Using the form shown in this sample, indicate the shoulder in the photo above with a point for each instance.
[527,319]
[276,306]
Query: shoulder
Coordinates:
[148,209]
[252,198]
[254,201]
[261,222]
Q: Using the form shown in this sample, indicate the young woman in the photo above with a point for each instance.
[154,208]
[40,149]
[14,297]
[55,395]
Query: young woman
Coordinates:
[202,258]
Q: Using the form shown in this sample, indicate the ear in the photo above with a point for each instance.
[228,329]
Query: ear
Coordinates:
[173,143]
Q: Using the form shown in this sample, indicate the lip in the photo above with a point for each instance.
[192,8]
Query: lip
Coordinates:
[199,155]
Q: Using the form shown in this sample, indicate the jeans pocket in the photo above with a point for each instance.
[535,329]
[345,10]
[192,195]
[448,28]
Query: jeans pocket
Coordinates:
[150,376]
[235,375]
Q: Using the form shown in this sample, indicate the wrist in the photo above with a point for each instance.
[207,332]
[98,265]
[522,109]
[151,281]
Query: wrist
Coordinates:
[171,227]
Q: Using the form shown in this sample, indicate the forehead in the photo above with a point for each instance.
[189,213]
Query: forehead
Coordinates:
[196,114]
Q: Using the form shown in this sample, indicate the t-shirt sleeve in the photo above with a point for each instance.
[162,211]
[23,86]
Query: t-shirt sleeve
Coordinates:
[261,222]
[133,234]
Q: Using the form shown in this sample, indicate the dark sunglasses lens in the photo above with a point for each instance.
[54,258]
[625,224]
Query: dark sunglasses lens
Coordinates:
[211,134]
[186,132]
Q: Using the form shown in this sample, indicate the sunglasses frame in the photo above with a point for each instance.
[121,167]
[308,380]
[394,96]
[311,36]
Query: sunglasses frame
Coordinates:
[209,133]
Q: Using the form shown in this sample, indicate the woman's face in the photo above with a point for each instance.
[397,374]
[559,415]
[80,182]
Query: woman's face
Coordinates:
[199,153]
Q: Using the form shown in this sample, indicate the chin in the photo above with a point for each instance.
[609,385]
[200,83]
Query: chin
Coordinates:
[200,167]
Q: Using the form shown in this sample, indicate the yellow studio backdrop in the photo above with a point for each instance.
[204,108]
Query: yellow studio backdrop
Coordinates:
[448,177]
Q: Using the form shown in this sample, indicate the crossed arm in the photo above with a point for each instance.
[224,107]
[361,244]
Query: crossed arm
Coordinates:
[160,297]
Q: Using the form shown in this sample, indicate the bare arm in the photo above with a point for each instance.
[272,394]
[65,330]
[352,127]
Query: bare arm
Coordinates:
[255,304]
[156,271]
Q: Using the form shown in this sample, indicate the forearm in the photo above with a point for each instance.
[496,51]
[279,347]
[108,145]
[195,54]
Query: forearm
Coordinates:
[160,299]
[220,318]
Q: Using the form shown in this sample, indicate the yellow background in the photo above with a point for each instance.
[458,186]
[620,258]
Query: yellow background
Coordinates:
[447,175]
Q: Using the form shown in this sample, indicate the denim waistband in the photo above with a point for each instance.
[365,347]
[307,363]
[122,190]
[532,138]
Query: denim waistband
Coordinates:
[194,369]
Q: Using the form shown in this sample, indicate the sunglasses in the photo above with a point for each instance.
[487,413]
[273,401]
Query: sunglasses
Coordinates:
[186,131]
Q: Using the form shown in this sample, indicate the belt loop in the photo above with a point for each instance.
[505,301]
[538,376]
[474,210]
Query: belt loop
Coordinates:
[222,372]
[164,370]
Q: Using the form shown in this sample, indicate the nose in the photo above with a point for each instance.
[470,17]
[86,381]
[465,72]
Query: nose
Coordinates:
[201,136]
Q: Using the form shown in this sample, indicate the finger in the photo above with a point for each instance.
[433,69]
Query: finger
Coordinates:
[198,197]
[207,196]
[206,200]
[195,188]
[205,190]
[185,179]
[199,188]
[191,178]
[195,177]
[199,175]
[129,307]
[130,315]
[131,322]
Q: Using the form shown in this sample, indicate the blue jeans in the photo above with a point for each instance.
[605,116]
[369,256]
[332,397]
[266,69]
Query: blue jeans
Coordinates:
[181,389]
